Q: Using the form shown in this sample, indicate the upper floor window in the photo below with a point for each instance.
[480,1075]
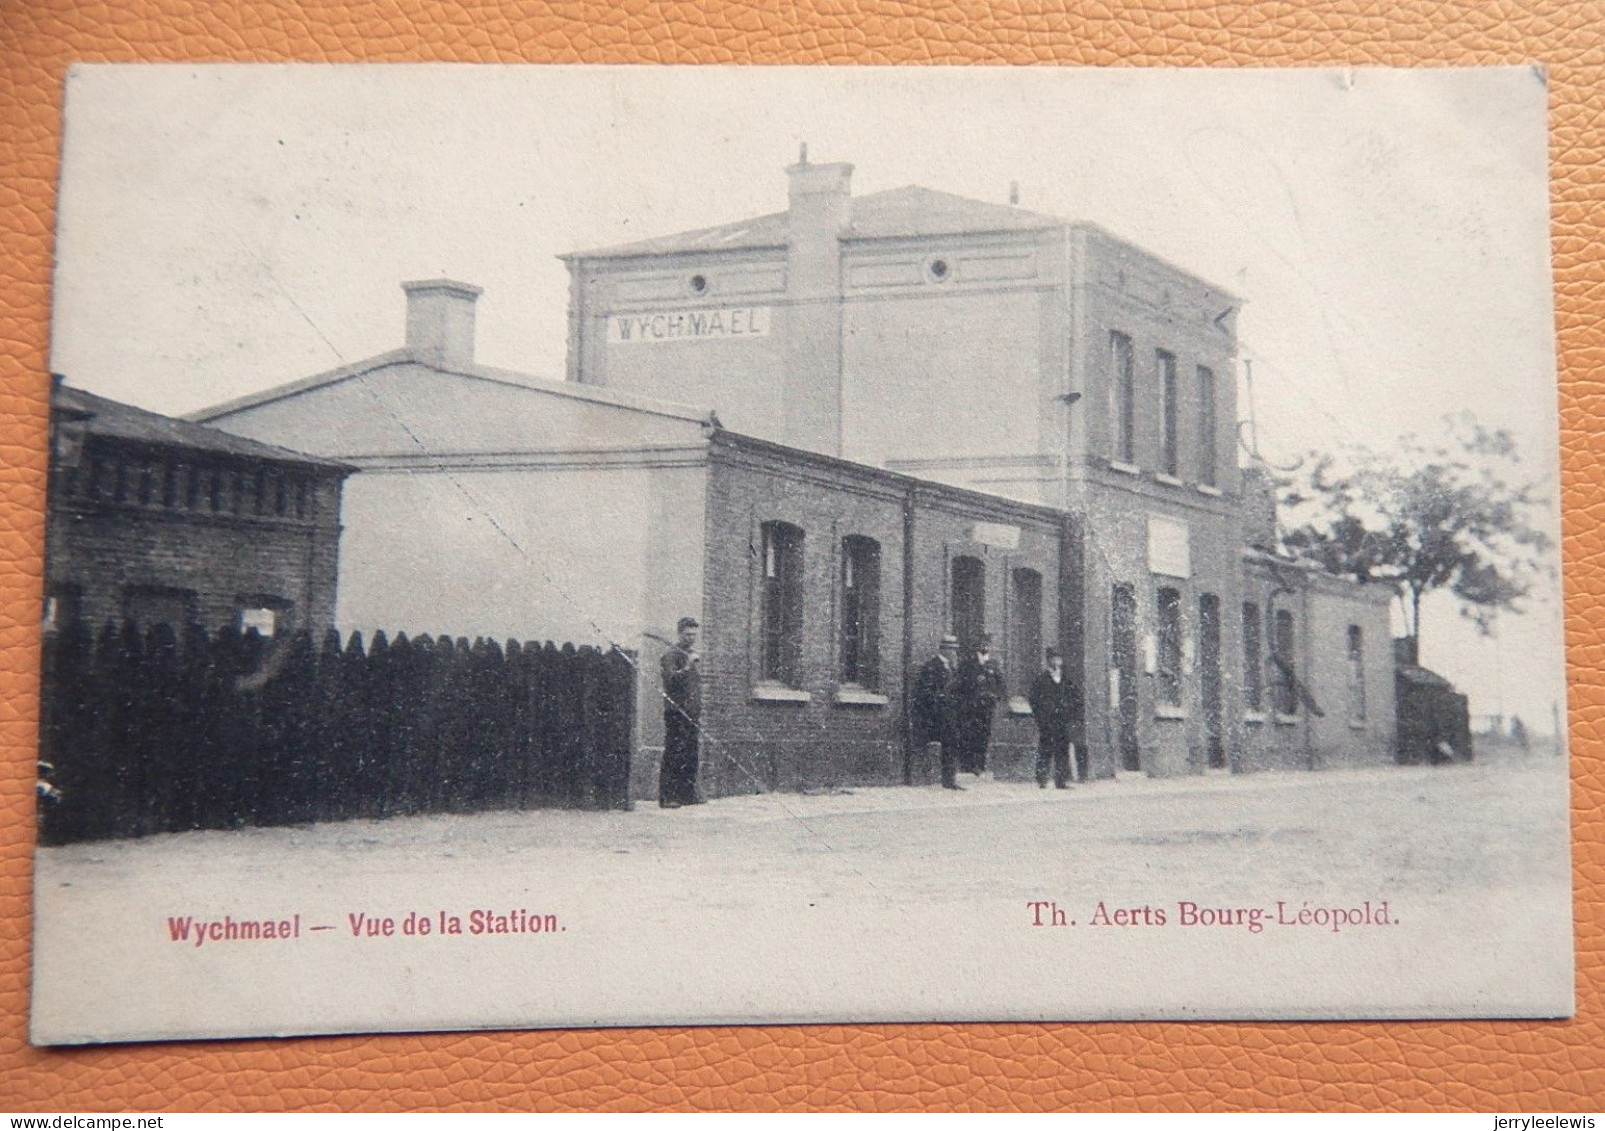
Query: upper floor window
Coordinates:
[1356,673]
[860,620]
[1208,423]
[969,601]
[1169,414]
[1123,375]
[1170,648]
[1253,670]
[781,600]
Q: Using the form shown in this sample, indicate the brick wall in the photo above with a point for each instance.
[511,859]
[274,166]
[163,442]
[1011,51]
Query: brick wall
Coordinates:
[1323,609]
[101,547]
[1171,738]
[816,734]
[1120,287]
[1348,735]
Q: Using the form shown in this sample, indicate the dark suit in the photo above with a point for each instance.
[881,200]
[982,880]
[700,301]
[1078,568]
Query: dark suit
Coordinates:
[933,716]
[1056,707]
[682,710]
[979,687]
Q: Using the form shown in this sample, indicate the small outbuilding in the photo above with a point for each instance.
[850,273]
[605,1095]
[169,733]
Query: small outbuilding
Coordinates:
[1434,724]
[158,520]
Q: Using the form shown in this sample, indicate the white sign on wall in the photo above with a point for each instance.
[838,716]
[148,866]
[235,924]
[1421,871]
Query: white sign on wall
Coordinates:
[996,534]
[1169,547]
[689,325]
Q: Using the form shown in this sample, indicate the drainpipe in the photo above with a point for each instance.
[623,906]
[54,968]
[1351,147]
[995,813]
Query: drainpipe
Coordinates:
[907,720]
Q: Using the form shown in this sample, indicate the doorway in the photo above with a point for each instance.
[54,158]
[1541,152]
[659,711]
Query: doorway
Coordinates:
[1210,681]
[1123,674]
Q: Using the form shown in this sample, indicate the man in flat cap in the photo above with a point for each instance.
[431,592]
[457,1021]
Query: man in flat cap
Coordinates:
[682,714]
[1055,705]
[933,713]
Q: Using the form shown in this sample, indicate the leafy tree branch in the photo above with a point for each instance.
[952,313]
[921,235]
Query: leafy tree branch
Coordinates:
[1458,513]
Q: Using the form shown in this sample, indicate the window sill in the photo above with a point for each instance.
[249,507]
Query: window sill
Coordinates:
[1164,711]
[775,693]
[1286,720]
[1168,480]
[1018,705]
[1356,724]
[1254,718]
[1124,468]
[849,696]
[1206,489]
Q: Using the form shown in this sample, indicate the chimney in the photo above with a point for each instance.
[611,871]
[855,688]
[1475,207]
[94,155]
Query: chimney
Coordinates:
[820,214]
[440,321]
[821,197]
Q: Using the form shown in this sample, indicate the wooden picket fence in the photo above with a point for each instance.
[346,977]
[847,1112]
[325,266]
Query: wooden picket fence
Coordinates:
[148,733]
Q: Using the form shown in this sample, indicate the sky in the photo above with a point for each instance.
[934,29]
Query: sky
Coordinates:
[226,229]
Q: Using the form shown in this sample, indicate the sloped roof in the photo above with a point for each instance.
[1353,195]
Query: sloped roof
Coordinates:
[1415,673]
[105,417]
[900,212]
[505,377]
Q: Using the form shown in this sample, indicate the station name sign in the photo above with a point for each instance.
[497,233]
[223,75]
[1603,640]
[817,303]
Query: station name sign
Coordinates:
[689,325]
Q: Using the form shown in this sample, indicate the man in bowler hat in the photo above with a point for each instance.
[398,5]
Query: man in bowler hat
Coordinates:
[979,689]
[1055,706]
[933,712]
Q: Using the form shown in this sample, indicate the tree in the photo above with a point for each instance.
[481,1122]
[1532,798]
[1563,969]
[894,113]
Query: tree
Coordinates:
[1456,514]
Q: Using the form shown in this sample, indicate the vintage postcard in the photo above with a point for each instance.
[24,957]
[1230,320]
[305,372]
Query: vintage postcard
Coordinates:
[546,547]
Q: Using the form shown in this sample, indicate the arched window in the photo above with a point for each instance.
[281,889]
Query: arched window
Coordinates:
[1356,674]
[860,609]
[781,599]
[1283,673]
[969,600]
[1025,628]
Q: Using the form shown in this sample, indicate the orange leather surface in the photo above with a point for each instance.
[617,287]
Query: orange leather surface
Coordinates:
[1505,1066]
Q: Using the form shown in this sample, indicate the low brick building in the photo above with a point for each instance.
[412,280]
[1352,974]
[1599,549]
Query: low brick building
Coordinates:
[827,582]
[159,520]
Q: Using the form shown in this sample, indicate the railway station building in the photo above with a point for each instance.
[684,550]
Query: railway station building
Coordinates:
[833,434]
